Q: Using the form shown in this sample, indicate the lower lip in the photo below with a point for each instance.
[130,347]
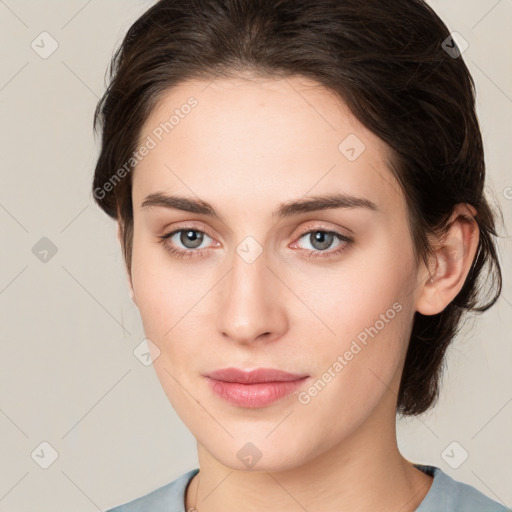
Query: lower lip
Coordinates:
[254,395]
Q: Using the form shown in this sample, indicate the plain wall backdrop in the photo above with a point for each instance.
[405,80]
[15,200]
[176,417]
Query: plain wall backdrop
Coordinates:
[84,425]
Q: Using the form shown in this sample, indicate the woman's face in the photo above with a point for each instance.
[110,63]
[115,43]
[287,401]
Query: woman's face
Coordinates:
[254,280]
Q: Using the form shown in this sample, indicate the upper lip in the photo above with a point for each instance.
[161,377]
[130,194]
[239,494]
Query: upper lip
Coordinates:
[255,376]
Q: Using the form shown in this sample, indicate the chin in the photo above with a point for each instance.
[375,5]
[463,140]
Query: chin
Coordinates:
[255,453]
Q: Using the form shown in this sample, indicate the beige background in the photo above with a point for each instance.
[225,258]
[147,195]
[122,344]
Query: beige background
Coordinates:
[68,375]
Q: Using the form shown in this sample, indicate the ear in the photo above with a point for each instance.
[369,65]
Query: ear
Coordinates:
[453,257]
[129,277]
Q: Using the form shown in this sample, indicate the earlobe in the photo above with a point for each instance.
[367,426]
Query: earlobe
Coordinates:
[119,233]
[130,285]
[132,295]
[453,256]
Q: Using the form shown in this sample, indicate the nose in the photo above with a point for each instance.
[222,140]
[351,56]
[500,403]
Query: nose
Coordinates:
[251,302]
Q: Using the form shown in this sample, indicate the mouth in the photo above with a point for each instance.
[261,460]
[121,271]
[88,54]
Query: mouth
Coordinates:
[254,388]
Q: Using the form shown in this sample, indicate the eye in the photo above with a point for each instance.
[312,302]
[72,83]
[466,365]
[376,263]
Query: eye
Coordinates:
[190,238]
[321,239]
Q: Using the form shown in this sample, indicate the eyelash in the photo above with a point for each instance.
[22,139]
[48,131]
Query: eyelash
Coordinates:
[192,253]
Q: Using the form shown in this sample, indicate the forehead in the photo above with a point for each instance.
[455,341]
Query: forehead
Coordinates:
[262,140]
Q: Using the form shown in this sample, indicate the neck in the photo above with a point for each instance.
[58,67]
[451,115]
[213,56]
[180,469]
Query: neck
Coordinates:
[363,473]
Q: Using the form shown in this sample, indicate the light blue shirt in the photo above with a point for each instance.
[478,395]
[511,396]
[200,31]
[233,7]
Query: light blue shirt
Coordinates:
[445,495]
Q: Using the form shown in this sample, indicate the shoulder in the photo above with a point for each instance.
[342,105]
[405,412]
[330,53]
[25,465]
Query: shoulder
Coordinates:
[451,495]
[170,497]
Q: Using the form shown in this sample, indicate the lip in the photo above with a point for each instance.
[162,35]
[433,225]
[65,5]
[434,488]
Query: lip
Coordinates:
[254,388]
[256,376]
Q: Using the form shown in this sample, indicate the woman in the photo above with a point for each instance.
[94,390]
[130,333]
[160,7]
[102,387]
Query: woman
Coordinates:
[299,192]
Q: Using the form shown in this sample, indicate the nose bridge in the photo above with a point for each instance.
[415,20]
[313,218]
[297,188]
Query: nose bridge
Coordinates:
[249,304]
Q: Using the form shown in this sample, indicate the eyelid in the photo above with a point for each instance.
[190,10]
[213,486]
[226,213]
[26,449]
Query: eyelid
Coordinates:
[309,228]
[304,230]
[319,227]
[168,232]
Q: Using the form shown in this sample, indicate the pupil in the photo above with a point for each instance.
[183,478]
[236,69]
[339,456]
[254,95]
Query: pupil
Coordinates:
[191,236]
[324,238]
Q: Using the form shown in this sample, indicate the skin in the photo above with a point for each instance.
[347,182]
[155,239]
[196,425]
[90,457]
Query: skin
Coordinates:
[248,146]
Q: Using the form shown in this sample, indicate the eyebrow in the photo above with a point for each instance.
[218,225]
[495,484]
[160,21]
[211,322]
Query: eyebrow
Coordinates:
[287,209]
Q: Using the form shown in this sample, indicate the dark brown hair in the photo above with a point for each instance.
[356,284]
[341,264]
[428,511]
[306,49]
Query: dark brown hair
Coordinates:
[394,65]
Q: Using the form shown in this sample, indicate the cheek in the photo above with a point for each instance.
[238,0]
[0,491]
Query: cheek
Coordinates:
[172,299]
[158,293]
[353,296]
[367,307]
